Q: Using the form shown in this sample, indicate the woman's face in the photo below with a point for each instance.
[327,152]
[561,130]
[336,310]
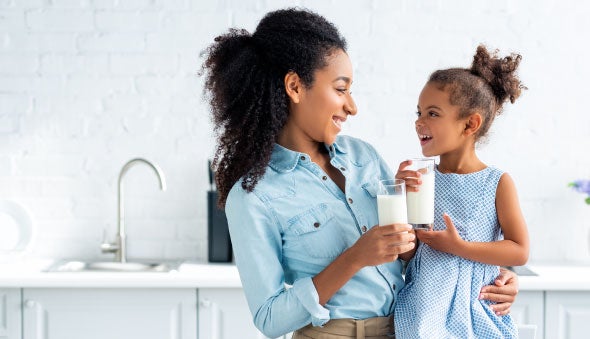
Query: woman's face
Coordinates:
[438,125]
[323,108]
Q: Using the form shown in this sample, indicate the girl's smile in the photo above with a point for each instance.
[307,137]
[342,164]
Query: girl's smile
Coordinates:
[424,138]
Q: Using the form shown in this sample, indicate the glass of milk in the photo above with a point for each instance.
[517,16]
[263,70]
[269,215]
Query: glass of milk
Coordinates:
[421,203]
[391,202]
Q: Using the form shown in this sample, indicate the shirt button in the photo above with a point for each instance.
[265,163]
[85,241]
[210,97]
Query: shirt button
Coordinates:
[393,287]
[350,200]
[324,178]
[316,224]
[302,158]
[364,229]
[342,169]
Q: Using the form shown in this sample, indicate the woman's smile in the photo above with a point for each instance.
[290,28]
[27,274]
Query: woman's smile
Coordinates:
[338,121]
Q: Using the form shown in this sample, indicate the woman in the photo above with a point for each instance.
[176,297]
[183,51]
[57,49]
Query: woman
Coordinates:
[300,200]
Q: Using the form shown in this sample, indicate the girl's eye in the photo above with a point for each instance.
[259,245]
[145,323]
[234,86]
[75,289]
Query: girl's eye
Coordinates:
[418,113]
[432,114]
[344,91]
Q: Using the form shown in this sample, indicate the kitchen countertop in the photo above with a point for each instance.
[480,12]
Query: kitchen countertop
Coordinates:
[557,277]
[553,277]
[188,275]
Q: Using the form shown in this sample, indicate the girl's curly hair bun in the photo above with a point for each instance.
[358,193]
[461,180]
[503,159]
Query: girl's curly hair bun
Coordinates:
[500,73]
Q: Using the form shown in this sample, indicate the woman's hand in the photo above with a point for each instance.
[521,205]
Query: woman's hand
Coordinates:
[503,292]
[379,245]
[412,178]
[447,240]
[382,244]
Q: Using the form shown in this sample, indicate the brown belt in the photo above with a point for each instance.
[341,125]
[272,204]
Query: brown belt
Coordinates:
[378,327]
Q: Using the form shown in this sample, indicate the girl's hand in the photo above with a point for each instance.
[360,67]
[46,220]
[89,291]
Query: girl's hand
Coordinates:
[411,177]
[382,244]
[503,292]
[447,241]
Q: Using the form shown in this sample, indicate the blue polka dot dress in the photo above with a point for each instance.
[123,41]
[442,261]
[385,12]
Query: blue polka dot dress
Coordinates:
[440,299]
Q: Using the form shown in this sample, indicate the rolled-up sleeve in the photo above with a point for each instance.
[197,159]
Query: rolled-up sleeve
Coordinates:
[257,244]
[308,296]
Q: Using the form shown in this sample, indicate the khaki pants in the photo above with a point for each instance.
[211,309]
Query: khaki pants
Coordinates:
[374,328]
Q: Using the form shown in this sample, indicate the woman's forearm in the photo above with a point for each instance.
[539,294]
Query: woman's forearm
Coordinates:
[379,245]
[335,275]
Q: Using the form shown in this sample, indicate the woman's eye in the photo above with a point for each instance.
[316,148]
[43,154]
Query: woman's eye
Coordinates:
[418,113]
[344,91]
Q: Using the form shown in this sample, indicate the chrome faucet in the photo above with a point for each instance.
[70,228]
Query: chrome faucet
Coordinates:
[119,247]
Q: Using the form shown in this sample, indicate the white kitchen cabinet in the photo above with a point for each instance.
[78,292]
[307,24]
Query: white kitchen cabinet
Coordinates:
[120,313]
[528,310]
[10,313]
[224,314]
[567,315]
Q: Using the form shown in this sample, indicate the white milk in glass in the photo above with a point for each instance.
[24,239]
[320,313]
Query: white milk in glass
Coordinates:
[392,209]
[421,203]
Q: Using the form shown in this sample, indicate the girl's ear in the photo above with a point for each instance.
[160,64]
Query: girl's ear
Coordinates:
[473,124]
[293,86]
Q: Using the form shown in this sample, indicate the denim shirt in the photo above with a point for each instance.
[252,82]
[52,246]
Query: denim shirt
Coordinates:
[295,223]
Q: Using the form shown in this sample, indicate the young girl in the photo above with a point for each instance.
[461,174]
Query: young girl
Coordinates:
[478,223]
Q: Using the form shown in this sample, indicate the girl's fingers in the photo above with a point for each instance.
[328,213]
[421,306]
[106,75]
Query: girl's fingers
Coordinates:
[407,174]
[449,222]
[425,236]
[412,184]
[403,165]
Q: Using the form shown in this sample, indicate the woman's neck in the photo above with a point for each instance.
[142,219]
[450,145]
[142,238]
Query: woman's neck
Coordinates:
[316,150]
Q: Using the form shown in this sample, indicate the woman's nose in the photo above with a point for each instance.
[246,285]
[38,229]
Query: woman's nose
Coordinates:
[350,107]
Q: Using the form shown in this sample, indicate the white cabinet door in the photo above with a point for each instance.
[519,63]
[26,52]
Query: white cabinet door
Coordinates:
[10,313]
[224,314]
[567,315]
[109,313]
[528,310]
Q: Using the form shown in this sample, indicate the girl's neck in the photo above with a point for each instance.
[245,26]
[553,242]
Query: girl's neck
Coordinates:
[460,164]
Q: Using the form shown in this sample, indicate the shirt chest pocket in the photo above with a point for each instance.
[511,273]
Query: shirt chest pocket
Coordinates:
[315,232]
[371,188]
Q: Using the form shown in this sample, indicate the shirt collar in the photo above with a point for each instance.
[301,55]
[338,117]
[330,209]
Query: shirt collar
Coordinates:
[285,160]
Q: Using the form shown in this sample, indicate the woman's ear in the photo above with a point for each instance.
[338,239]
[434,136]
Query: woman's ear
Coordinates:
[293,86]
[473,124]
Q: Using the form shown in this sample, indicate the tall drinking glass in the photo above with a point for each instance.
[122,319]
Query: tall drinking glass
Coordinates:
[421,203]
[391,202]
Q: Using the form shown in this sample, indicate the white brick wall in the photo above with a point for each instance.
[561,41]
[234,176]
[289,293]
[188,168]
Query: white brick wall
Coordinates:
[85,85]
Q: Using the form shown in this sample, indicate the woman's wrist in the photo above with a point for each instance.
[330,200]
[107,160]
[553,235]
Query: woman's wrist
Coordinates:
[351,260]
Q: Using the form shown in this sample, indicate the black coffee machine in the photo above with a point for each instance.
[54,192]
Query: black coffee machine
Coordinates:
[220,249]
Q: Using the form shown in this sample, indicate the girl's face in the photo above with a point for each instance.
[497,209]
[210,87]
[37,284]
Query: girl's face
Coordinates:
[323,108]
[438,125]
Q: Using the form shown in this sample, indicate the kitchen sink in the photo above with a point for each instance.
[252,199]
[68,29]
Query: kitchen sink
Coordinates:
[112,266]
